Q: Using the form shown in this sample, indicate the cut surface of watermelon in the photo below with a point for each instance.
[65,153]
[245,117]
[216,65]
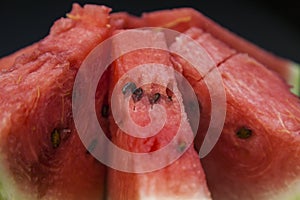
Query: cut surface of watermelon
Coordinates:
[260,138]
[41,154]
[189,180]
[43,157]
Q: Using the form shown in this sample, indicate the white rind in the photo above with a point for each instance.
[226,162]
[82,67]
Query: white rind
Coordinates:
[8,187]
[291,193]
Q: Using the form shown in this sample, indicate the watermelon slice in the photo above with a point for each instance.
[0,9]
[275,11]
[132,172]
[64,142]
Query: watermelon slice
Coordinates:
[258,147]
[182,19]
[189,180]
[41,155]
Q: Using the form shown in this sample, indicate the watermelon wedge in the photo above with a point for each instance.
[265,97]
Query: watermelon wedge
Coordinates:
[189,180]
[182,19]
[258,147]
[41,155]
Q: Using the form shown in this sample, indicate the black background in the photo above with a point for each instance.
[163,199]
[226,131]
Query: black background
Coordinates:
[274,26]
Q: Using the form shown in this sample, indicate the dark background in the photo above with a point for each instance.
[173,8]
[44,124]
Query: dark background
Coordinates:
[274,26]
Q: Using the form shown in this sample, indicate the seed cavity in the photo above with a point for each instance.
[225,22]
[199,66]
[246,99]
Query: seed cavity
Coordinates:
[154,99]
[244,133]
[169,93]
[137,94]
[55,138]
[105,111]
[128,88]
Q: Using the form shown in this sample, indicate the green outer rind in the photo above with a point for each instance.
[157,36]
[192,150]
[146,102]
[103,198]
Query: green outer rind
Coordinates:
[294,78]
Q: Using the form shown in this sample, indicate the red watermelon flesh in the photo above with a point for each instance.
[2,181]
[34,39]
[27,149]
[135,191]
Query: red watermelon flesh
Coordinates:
[183,179]
[181,19]
[267,164]
[218,52]
[128,21]
[258,148]
[41,154]
[184,18]
[257,155]
[8,61]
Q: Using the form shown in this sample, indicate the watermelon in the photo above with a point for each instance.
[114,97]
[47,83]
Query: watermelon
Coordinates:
[257,154]
[189,180]
[41,154]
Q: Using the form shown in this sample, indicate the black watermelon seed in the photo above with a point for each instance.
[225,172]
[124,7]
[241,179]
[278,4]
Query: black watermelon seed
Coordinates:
[244,133]
[137,94]
[129,88]
[104,111]
[55,138]
[154,99]
[181,146]
[92,146]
